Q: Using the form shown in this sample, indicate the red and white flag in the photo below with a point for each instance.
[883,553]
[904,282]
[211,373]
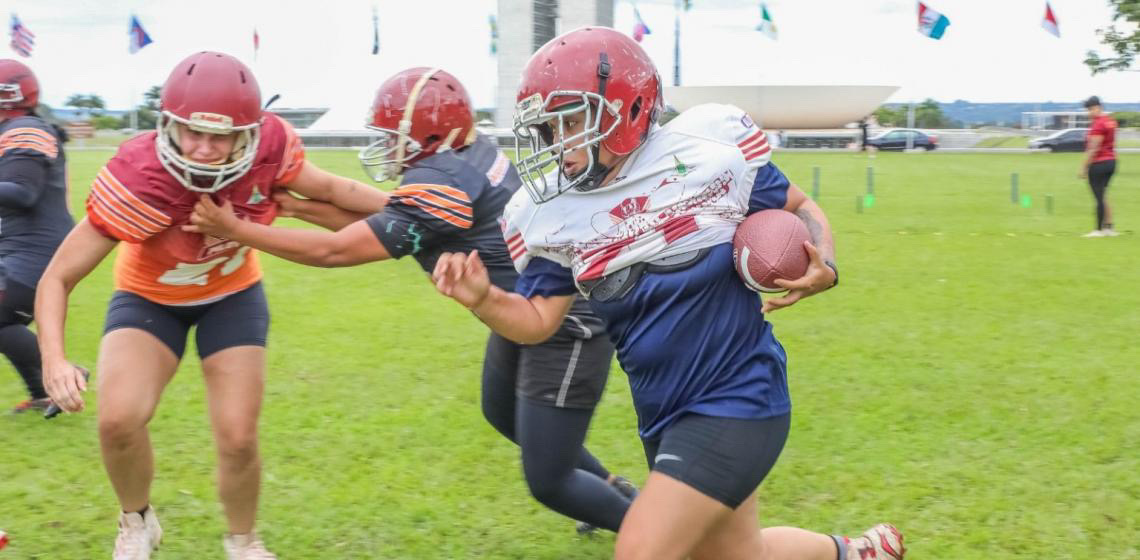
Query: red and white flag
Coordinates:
[1050,21]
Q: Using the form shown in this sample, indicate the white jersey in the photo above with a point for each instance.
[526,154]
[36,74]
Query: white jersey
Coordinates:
[687,187]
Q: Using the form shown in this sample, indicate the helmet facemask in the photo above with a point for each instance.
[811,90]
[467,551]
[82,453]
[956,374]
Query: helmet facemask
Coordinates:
[541,129]
[10,95]
[206,177]
[386,158]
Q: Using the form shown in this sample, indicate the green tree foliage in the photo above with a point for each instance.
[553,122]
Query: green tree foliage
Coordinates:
[890,117]
[1127,118]
[151,97]
[927,114]
[1123,42]
[91,103]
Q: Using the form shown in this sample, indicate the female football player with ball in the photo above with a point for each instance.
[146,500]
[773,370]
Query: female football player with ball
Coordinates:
[639,219]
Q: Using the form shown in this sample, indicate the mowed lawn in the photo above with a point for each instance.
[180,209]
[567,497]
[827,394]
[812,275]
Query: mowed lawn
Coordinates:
[973,380]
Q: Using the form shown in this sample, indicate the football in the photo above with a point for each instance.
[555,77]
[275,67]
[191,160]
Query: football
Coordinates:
[769,245]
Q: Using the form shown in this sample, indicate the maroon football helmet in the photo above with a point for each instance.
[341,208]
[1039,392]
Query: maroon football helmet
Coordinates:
[599,76]
[417,113]
[214,93]
[19,88]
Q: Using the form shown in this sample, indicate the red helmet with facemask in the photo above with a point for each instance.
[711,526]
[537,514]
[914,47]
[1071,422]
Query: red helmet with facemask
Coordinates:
[595,75]
[416,113]
[213,93]
[19,88]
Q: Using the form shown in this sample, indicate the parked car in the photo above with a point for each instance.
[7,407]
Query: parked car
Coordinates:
[1068,140]
[897,140]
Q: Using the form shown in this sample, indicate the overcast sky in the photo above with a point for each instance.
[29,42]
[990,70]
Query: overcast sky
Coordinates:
[317,53]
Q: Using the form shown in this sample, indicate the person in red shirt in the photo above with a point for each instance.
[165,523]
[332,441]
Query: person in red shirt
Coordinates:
[1100,164]
[212,139]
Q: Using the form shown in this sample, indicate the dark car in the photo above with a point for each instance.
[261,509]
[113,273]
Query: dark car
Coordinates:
[1068,140]
[897,140]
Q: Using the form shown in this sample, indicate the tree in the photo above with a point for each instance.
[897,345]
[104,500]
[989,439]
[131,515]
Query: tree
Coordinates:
[90,103]
[151,97]
[928,114]
[1127,118]
[1125,44]
[890,117]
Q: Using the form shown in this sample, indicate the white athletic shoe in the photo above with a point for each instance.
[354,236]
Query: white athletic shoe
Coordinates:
[139,535]
[881,542]
[1110,232]
[1095,233]
[246,547]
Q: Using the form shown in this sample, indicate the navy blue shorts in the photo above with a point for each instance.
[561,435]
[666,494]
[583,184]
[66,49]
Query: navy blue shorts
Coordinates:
[239,319]
[725,459]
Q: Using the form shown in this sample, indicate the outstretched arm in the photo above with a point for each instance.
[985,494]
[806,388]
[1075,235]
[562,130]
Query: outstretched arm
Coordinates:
[324,214]
[347,194]
[355,244]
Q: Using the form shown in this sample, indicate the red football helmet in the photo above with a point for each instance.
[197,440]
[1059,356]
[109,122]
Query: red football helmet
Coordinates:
[417,112]
[603,78]
[19,88]
[215,93]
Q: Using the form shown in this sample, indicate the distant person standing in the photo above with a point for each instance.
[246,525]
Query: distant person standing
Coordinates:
[863,127]
[1100,164]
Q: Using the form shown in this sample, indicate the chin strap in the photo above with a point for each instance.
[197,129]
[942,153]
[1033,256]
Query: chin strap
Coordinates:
[596,173]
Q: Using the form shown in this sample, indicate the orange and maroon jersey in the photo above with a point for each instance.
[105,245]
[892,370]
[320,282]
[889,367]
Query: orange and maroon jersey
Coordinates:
[134,199]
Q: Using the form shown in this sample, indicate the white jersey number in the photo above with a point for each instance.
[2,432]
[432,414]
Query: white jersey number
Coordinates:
[197,274]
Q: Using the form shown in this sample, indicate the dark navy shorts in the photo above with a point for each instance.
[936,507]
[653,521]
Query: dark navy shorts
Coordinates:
[239,319]
[725,459]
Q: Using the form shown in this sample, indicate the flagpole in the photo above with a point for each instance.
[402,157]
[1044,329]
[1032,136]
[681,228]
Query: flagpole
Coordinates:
[134,111]
[677,42]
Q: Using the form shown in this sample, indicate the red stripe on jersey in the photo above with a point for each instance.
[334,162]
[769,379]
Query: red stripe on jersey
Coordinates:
[757,153]
[751,139]
[678,227]
[608,253]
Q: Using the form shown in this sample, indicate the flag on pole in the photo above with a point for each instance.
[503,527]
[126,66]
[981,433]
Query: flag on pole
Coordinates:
[494,33]
[766,26]
[256,43]
[1050,21]
[931,23]
[640,30]
[22,39]
[139,38]
[375,31]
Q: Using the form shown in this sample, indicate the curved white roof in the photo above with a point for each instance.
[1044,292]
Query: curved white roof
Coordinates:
[788,106]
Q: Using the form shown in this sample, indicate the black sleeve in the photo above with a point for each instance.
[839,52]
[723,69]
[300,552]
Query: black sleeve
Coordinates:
[428,207]
[21,181]
[402,233]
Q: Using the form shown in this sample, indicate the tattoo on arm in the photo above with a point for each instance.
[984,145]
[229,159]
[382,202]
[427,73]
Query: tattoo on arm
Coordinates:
[814,227]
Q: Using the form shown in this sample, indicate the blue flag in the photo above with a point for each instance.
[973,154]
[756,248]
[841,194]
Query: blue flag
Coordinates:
[139,38]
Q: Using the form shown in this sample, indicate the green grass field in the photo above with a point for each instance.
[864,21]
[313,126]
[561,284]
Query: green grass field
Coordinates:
[972,380]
